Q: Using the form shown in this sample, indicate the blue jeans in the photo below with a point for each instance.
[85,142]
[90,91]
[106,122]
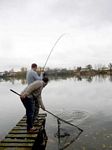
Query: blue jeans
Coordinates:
[29,105]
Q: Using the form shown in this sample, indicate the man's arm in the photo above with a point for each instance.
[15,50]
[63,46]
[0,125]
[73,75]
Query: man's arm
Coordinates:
[32,76]
[41,102]
[37,77]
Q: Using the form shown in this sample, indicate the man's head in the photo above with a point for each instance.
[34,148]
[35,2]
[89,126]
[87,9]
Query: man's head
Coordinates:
[46,80]
[34,66]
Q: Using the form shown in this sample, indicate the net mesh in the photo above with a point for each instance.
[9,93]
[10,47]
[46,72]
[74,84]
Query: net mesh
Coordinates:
[64,129]
[66,134]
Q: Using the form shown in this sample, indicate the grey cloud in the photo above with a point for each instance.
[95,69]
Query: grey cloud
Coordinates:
[23,12]
[25,23]
[83,11]
[6,47]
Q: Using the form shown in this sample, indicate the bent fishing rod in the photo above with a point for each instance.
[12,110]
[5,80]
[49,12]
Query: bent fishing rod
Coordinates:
[53,49]
[53,114]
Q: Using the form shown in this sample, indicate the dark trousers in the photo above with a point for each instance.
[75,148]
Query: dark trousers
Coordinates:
[36,110]
[29,105]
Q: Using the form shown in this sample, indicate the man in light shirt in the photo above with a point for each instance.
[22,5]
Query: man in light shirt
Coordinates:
[28,96]
[32,74]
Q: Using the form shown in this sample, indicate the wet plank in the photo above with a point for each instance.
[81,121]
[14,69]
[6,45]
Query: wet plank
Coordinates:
[8,140]
[16,144]
[20,132]
[24,124]
[22,128]
[15,148]
[25,135]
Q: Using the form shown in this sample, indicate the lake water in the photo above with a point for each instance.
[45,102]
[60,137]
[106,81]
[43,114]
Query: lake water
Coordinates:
[86,103]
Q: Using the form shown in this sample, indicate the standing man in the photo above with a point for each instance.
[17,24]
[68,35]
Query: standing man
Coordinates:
[27,97]
[32,76]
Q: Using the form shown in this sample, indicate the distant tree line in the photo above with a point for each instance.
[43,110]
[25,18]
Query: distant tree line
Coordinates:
[87,70]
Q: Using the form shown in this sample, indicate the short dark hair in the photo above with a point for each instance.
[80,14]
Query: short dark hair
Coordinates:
[45,79]
[34,65]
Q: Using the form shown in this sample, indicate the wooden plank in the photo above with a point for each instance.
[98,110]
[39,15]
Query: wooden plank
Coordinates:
[24,124]
[16,144]
[31,136]
[16,148]
[38,124]
[21,132]
[23,128]
[42,114]
[39,118]
[39,115]
[19,128]
[21,124]
[9,140]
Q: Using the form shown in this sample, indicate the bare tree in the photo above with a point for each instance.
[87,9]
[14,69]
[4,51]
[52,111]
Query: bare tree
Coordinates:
[89,67]
[110,66]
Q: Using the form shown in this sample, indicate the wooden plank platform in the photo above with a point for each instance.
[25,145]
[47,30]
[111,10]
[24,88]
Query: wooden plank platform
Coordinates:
[19,139]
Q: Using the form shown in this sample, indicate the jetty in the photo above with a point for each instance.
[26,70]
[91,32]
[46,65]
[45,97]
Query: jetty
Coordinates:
[19,139]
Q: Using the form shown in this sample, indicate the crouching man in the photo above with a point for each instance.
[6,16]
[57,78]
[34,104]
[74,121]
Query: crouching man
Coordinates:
[31,95]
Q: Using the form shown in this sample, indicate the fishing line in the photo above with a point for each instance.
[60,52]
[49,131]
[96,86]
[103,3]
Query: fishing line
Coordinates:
[53,49]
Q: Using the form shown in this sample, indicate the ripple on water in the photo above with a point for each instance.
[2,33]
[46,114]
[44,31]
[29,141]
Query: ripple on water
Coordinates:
[75,116]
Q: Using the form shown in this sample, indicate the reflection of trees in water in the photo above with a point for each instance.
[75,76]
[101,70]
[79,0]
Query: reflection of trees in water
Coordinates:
[1,80]
[79,78]
[110,78]
[89,79]
[13,80]
[99,78]
[59,77]
[7,79]
[23,79]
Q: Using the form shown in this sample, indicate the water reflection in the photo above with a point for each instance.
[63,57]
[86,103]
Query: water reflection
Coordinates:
[98,78]
[110,78]
[13,80]
[74,116]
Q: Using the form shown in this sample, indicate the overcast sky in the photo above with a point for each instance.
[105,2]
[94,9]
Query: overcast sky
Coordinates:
[29,29]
